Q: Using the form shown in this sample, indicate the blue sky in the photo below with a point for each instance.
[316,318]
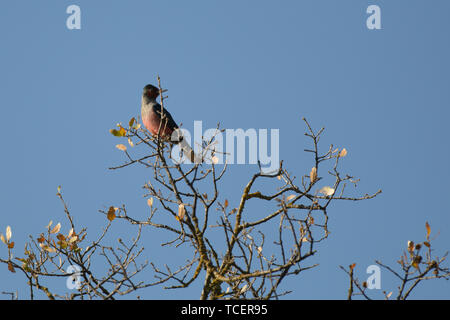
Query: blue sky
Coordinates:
[382,94]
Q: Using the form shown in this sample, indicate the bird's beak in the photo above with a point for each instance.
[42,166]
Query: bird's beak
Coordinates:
[164,90]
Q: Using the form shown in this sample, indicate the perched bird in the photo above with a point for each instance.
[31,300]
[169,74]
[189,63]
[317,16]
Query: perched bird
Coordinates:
[159,120]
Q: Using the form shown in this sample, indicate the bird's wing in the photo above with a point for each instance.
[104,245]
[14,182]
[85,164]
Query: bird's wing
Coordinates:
[170,122]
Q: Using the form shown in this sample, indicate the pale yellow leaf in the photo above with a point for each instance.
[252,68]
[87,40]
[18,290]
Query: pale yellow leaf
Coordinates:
[130,142]
[49,224]
[3,238]
[289,198]
[150,202]
[313,174]
[215,160]
[121,147]
[8,233]
[56,228]
[343,153]
[327,191]
[181,212]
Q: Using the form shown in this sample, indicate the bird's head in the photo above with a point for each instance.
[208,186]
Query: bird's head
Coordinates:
[151,91]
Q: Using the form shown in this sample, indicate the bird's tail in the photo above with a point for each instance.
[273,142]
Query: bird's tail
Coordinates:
[187,150]
[189,153]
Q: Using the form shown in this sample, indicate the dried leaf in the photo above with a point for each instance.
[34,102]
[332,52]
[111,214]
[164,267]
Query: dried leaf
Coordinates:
[313,174]
[352,266]
[343,153]
[181,212]
[132,120]
[118,133]
[111,215]
[11,245]
[225,203]
[121,147]
[70,233]
[327,191]
[215,160]
[3,238]
[130,142]
[289,198]
[428,230]
[47,248]
[8,233]
[427,244]
[244,288]
[49,224]
[11,267]
[150,202]
[388,295]
[56,228]
[410,245]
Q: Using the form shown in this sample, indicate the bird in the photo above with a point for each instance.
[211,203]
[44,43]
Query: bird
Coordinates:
[168,129]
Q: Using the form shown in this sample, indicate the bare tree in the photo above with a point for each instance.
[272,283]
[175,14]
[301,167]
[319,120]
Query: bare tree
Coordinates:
[242,253]
[416,265]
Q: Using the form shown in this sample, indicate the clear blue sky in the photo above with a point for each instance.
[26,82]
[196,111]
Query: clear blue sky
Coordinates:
[382,94]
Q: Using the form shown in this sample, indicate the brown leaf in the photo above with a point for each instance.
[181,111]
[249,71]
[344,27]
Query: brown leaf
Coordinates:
[11,245]
[132,120]
[427,244]
[428,230]
[41,239]
[352,266]
[11,267]
[111,215]
[410,246]
[226,203]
